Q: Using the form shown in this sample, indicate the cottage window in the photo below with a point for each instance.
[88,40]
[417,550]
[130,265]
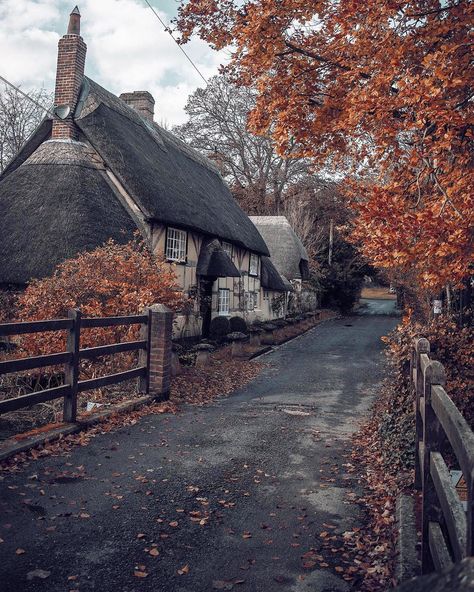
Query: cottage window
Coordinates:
[253,268]
[223,304]
[227,248]
[255,300]
[251,301]
[176,245]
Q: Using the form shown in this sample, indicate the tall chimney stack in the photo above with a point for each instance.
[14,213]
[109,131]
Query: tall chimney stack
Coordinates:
[142,101]
[69,75]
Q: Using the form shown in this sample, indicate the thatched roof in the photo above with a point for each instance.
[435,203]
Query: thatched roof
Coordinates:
[286,249]
[69,204]
[55,205]
[171,182]
[271,279]
[213,261]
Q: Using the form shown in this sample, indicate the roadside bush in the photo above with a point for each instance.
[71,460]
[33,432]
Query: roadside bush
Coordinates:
[111,280]
[220,326]
[451,345]
[238,325]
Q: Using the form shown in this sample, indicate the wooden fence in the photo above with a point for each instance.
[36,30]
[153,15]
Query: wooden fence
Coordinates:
[152,354]
[441,433]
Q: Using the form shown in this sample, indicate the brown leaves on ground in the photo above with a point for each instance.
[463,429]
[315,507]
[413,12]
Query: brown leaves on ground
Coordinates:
[196,386]
[199,386]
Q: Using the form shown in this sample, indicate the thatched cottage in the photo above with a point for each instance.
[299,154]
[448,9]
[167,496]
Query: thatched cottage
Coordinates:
[101,168]
[290,259]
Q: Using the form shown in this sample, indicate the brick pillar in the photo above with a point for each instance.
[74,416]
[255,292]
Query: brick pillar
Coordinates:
[160,327]
[69,75]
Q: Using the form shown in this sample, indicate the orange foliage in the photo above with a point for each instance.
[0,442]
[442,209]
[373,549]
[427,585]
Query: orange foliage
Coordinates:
[112,280]
[385,86]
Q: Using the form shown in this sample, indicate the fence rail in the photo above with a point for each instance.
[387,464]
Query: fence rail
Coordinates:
[447,530]
[70,358]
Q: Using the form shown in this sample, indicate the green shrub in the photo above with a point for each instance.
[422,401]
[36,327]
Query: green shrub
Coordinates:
[239,325]
[220,326]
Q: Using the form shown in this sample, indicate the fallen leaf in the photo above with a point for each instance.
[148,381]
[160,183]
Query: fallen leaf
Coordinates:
[174,523]
[154,552]
[20,551]
[84,515]
[183,570]
[226,584]
[140,574]
[38,573]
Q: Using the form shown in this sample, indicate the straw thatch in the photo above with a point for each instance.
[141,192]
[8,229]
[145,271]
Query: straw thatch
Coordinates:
[286,249]
[57,200]
[271,279]
[170,181]
[213,261]
[57,204]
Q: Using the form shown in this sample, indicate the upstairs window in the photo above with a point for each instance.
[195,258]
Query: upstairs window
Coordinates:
[227,247]
[251,301]
[223,303]
[253,267]
[176,245]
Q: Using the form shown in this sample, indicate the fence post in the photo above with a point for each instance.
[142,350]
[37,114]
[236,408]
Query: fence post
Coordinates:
[71,374]
[144,354]
[422,346]
[432,440]
[470,514]
[160,325]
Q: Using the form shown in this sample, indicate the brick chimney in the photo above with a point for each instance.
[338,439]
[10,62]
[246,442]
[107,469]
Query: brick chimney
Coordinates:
[141,101]
[69,75]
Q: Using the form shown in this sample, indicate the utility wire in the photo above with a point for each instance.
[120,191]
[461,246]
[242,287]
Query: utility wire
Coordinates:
[41,106]
[167,29]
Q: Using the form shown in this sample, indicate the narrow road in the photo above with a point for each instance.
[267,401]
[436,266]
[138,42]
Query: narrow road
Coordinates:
[230,495]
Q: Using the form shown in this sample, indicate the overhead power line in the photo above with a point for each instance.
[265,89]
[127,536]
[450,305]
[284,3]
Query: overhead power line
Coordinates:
[27,96]
[167,29]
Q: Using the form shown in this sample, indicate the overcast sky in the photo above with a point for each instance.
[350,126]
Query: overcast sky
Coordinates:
[127,49]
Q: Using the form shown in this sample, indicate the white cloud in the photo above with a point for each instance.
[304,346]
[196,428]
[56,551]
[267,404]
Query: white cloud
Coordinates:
[127,49]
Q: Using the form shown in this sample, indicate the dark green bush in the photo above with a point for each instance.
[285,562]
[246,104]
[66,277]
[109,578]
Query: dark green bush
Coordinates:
[239,325]
[220,326]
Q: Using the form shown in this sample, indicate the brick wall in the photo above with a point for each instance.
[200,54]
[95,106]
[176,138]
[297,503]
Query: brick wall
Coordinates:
[69,75]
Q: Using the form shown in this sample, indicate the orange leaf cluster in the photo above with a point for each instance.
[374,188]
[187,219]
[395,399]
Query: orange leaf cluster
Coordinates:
[112,280]
[383,91]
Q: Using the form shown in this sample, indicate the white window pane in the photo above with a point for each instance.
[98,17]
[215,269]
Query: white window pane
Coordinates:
[253,270]
[223,305]
[176,244]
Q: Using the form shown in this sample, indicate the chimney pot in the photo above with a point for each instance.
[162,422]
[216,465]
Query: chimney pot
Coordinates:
[74,27]
[142,101]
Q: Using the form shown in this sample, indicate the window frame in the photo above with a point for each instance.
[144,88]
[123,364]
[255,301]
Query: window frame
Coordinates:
[254,256]
[225,244]
[221,312]
[181,232]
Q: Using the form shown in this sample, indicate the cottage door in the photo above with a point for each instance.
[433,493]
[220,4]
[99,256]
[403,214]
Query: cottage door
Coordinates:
[205,304]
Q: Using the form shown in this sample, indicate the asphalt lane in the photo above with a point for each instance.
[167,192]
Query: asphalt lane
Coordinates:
[227,496]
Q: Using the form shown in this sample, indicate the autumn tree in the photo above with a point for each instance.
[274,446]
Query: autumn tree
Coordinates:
[217,126]
[384,89]
[19,117]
